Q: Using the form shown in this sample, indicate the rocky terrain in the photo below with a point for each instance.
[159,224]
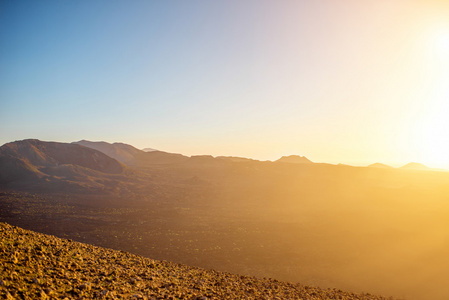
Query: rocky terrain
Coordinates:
[38,266]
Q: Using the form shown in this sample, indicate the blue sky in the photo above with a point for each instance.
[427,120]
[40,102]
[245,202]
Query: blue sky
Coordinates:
[337,82]
[82,64]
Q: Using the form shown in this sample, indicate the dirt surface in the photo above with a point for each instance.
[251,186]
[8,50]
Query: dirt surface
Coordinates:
[38,266]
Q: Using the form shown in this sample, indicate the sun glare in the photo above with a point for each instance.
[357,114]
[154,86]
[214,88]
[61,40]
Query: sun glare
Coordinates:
[442,42]
[434,141]
[439,42]
[430,140]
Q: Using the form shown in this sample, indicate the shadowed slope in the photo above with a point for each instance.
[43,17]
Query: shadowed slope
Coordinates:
[51,154]
[129,155]
[119,151]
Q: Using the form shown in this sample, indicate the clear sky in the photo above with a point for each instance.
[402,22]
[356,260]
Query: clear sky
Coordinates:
[352,82]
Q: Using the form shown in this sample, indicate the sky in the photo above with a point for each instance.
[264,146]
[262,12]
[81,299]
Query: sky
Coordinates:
[353,82]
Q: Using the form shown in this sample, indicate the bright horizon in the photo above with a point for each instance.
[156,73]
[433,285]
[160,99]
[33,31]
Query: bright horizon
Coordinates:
[352,82]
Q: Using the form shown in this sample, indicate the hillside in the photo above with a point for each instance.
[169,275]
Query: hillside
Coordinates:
[38,266]
[131,156]
[50,166]
[53,154]
[122,152]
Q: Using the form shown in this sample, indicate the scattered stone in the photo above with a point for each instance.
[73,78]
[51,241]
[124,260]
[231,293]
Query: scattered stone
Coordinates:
[85,286]
[134,277]
[43,295]
[14,260]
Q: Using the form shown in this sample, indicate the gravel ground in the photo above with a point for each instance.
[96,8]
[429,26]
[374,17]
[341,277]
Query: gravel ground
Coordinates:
[38,266]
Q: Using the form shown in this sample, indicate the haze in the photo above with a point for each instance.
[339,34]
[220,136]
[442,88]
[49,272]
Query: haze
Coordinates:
[364,229]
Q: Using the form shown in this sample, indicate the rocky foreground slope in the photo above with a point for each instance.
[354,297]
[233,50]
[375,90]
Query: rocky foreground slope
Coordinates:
[38,266]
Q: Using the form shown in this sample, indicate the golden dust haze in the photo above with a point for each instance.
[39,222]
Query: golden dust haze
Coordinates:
[345,83]
[380,230]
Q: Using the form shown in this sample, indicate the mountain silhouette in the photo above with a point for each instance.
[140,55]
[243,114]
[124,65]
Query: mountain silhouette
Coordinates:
[415,166]
[235,159]
[294,159]
[122,152]
[54,165]
[132,156]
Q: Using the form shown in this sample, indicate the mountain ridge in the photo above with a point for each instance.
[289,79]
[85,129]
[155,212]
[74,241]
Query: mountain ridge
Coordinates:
[415,166]
[129,155]
[120,151]
[51,165]
[46,154]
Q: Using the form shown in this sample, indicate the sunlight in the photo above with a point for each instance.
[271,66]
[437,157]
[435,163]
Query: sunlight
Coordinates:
[435,142]
[441,39]
[432,141]
[430,128]
[438,42]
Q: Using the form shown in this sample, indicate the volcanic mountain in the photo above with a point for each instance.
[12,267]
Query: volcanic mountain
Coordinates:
[132,156]
[415,166]
[32,162]
[294,159]
[122,152]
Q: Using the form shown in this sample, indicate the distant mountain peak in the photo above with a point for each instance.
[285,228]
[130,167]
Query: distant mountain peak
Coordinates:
[415,166]
[26,162]
[129,155]
[294,159]
[149,149]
